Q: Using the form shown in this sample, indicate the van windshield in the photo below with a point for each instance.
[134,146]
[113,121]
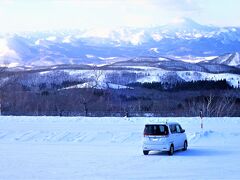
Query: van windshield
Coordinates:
[156,130]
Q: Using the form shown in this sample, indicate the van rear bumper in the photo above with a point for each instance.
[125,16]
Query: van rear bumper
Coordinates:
[156,147]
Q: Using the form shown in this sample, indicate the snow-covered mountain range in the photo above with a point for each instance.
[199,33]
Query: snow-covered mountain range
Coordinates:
[177,52]
[100,46]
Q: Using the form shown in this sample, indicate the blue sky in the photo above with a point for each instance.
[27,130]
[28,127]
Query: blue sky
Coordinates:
[28,15]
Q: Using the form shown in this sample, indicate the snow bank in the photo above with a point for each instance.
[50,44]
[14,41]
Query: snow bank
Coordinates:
[102,130]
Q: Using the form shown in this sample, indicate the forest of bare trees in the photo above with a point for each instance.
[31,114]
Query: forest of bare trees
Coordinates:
[17,100]
[214,99]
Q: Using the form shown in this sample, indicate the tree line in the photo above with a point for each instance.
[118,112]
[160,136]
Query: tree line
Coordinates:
[184,86]
[144,100]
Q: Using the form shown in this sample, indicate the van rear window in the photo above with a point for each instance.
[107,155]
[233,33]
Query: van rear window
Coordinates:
[156,130]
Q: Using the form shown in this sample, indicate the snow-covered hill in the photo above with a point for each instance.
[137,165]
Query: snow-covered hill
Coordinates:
[119,74]
[232,59]
[111,148]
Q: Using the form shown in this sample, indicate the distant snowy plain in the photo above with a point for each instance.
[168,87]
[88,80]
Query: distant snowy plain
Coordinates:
[111,148]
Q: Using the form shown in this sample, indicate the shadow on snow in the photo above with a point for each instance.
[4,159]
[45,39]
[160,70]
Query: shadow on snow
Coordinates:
[193,152]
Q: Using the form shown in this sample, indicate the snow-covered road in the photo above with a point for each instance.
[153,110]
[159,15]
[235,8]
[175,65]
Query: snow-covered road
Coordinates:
[110,148]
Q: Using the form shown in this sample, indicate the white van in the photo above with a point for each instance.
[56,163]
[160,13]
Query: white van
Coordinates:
[164,137]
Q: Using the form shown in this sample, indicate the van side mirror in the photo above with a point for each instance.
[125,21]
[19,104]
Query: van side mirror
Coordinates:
[183,130]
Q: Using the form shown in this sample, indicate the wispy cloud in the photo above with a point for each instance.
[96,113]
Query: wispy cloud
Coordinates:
[56,14]
[180,5]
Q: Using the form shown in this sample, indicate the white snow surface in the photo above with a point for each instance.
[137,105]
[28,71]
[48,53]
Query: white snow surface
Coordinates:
[111,148]
[232,79]
[99,85]
[236,60]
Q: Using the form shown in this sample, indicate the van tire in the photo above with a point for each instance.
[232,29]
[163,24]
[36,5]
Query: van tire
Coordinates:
[185,145]
[145,152]
[171,150]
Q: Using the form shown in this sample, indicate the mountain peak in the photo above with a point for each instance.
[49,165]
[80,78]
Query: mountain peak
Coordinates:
[188,25]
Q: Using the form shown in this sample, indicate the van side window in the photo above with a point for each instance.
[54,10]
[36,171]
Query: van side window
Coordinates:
[173,129]
[178,128]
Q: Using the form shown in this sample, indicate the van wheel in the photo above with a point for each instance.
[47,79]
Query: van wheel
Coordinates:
[171,150]
[145,152]
[185,146]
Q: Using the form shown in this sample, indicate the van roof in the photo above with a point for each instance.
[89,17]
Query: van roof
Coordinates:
[162,123]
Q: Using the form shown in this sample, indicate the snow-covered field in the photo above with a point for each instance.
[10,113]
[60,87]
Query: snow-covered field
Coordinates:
[110,148]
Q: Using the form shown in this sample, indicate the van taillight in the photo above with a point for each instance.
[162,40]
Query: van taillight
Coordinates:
[145,133]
